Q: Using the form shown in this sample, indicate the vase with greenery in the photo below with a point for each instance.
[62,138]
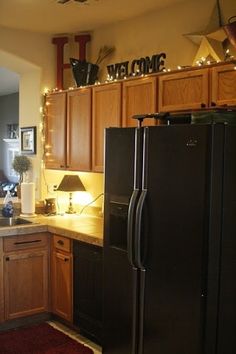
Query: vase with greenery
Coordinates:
[21,164]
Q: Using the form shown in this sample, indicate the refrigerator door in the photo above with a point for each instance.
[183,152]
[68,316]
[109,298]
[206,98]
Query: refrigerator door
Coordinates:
[122,182]
[226,339]
[174,244]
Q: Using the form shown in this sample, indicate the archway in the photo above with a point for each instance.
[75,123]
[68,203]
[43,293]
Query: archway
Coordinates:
[29,103]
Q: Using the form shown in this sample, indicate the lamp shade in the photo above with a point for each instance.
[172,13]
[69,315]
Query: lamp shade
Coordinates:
[71,183]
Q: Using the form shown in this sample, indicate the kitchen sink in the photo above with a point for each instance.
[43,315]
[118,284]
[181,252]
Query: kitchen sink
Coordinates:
[13,221]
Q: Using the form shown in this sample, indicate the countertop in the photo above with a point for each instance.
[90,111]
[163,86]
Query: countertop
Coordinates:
[83,227]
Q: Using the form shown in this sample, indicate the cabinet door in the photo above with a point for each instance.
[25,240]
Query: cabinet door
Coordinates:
[1,284]
[55,131]
[88,288]
[183,91]
[106,113]
[223,85]
[26,283]
[62,284]
[79,130]
[139,96]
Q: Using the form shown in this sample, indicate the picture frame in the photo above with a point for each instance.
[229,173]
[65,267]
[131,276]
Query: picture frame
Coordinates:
[28,140]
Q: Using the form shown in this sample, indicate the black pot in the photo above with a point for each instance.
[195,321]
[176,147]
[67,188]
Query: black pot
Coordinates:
[84,73]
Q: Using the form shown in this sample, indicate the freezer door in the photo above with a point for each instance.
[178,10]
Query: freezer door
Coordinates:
[175,241]
[120,275]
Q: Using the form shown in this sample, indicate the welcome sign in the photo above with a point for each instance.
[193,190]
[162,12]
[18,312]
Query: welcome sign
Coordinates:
[137,67]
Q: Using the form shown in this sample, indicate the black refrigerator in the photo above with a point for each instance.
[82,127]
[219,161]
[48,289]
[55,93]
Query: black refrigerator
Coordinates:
[169,240]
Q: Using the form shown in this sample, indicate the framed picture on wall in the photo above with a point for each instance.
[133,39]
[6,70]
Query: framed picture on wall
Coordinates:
[28,140]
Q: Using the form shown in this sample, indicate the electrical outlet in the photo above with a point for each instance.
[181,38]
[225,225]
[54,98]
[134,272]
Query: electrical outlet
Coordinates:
[52,188]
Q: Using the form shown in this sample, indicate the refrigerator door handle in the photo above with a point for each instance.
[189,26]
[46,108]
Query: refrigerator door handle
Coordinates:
[138,230]
[130,226]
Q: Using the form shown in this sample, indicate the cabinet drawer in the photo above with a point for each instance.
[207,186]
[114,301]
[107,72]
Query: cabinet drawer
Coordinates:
[21,242]
[61,243]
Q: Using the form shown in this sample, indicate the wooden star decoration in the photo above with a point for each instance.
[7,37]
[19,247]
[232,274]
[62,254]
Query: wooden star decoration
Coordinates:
[211,41]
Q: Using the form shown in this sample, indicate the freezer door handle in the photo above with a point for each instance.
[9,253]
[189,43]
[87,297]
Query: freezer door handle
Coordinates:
[138,230]
[130,226]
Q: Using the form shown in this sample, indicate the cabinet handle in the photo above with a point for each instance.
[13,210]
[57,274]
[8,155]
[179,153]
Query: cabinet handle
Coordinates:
[7,258]
[62,257]
[203,105]
[60,242]
[26,242]
[213,104]
[62,166]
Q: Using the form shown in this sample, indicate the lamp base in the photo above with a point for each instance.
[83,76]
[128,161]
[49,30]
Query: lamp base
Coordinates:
[70,211]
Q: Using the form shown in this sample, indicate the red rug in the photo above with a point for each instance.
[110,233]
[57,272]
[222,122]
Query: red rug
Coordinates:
[39,339]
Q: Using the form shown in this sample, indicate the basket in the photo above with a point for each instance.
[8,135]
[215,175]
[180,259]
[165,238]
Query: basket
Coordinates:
[84,73]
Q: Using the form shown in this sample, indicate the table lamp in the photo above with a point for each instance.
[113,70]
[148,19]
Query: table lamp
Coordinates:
[71,183]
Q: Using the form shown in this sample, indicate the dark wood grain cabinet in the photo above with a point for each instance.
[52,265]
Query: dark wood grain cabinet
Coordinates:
[88,289]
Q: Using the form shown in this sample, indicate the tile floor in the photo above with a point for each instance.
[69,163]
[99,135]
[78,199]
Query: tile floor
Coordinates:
[75,335]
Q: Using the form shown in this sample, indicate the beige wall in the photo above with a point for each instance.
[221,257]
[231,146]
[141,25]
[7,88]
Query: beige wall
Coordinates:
[33,57]
[159,31]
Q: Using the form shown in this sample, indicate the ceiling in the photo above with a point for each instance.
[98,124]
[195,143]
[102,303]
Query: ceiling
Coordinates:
[47,16]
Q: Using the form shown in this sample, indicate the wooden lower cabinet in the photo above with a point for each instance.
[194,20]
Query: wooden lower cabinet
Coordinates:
[88,289]
[25,266]
[61,277]
[74,271]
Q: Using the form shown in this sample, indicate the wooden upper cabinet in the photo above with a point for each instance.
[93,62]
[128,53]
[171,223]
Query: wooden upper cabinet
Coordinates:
[223,85]
[139,97]
[79,130]
[106,113]
[55,131]
[185,90]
